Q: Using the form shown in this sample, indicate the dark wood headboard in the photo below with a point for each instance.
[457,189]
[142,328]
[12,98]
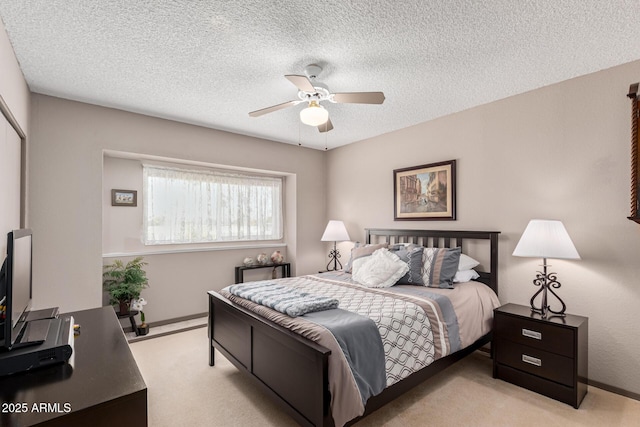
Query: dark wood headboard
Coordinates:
[443,239]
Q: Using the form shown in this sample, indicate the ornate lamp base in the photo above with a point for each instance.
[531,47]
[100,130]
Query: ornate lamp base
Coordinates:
[333,259]
[546,281]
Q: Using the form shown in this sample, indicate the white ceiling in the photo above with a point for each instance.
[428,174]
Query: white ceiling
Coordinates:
[212,62]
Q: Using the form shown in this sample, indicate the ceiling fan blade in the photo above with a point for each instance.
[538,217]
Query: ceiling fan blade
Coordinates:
[359,97]
[273,108]
[302,82]
[325,127]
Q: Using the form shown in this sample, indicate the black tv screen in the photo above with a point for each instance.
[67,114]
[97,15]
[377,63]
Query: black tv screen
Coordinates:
[17,284]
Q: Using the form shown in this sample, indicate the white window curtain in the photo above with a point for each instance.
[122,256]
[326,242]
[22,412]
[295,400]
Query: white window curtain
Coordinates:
[196,206]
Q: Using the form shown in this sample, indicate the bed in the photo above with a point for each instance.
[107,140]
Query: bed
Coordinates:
[295,371]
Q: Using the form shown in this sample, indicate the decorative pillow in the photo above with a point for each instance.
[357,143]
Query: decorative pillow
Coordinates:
[349,265]
[380,270]
[467,263]
[412,255]
[440,266]
[465,276]
[360,251]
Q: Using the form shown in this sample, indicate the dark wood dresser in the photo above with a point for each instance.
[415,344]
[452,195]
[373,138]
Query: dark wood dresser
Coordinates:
[102,387]
[548,356]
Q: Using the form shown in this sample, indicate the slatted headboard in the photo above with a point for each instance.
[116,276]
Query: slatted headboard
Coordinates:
[443,239]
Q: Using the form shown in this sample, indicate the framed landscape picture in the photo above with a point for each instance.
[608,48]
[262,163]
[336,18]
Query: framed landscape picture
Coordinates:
[426,192]
[124,198]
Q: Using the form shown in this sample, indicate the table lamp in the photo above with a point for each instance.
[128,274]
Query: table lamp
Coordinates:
[335,232]
[546,239]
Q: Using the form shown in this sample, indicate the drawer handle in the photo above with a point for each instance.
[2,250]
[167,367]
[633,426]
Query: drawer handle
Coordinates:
[532,334]
[531,360]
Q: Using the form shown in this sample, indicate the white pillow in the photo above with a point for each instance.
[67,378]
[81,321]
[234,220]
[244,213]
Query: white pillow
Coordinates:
[380,270]
[465,276]
[467,263]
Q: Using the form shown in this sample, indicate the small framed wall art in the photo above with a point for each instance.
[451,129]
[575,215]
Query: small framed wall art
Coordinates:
[426,192]
[124,198]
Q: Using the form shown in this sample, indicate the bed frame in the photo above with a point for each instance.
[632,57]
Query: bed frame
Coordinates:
[294,370]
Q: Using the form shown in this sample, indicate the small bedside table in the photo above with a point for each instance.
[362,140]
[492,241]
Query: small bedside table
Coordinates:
[548,356]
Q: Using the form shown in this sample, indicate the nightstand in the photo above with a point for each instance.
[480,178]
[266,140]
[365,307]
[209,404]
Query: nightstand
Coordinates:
[548,356]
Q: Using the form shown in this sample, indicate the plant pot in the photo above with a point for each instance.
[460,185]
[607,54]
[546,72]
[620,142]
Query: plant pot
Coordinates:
[124,308]
[143,329]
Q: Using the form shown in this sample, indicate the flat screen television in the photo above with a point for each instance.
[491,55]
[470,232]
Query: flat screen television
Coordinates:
[17,285]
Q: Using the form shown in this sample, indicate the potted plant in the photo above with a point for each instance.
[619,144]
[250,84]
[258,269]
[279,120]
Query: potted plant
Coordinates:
[124,282]
[143,327]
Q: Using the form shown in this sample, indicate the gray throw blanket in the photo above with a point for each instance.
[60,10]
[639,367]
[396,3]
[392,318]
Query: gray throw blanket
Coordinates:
[283,299]
[362,346]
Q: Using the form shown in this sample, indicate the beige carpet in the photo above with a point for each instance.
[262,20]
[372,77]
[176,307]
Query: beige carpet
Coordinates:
[183,390]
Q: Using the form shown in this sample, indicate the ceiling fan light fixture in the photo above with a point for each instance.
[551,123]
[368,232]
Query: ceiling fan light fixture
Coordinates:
[314,114]
[314,92]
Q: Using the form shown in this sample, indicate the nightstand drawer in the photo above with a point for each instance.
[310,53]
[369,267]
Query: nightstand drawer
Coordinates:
[543,386]
[535,334]
[535,361]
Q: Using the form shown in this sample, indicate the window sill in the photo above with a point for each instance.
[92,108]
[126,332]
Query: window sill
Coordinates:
[187,250]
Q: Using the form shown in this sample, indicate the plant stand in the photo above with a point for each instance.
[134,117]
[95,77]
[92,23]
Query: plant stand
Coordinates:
[132,319]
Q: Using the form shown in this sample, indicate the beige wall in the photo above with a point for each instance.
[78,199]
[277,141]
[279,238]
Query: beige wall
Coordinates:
[561,152]
[68,140]
[121,226]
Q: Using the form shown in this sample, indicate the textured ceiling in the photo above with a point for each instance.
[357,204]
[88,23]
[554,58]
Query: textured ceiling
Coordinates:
[212,62]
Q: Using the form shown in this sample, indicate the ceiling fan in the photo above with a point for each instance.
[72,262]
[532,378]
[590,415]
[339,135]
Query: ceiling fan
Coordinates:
[313,93]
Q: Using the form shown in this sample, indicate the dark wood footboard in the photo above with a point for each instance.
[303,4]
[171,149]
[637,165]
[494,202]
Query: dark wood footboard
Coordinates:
[293,370]
[290,368]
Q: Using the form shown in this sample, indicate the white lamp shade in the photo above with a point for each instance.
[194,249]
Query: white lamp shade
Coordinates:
[335,232]
[314,114]
[546,239]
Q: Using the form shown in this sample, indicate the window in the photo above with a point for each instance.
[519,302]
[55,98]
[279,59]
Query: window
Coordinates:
[196,206]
